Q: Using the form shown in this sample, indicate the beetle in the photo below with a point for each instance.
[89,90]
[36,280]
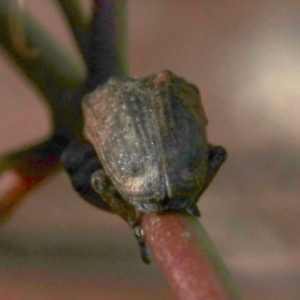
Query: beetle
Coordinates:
[149,150]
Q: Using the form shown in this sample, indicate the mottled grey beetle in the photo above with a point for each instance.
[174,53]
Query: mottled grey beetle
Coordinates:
[150,136]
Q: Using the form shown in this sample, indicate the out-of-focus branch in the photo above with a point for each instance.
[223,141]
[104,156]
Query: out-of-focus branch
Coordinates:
[61,81]
[106,46]
[52,71]
[188,258]
[36,159]
[23,171]
[79,22]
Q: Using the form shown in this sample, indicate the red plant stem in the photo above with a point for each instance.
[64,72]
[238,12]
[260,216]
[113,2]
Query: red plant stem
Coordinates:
[13,194]
[16,183]
[187,257]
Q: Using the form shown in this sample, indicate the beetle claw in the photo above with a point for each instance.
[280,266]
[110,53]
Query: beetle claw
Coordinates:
[194,211]
[144,250]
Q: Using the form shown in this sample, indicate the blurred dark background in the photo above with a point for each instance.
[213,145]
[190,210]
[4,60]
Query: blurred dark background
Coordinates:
[245,58]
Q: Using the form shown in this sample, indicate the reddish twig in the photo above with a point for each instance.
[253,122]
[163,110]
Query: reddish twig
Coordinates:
[16,183]
[187,257]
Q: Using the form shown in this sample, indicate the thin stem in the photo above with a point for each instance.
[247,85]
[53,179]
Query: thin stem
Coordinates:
[60,80]
[79,22]
[16,26]
[188,258]
[105,51]
[15,185]
[34,160]
[52,71]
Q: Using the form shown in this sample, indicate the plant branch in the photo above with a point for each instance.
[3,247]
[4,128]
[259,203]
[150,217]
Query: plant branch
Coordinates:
[23,171]
[15,185]
[34,160]
[106,46]
[78,21]
[62,84]
[52,71]
[187,257]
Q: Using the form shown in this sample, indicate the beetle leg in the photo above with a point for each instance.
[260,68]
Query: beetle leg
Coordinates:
[105,188]
[139,235]
[216,156]
[80,161]
[194,211]
[103,185]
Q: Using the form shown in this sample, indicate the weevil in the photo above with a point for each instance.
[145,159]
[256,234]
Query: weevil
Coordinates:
[149,150]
